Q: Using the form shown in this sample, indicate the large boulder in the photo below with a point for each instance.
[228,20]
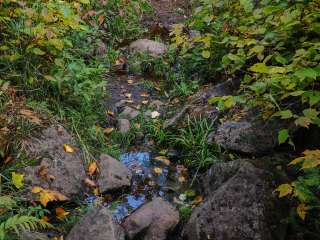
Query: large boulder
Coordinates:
[113,174]
[247,136]
[152,47]
[153,221]
[240,205]
[58,169]
[96,224]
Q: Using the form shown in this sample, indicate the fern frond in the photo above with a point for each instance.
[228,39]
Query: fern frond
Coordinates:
[18,224]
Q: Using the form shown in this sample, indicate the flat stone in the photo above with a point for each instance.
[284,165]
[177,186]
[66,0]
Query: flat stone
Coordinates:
[129,113]
[152,47]
[58,170]
[26,235]
[97,224]
[123,125]
[113,174]
[153,220]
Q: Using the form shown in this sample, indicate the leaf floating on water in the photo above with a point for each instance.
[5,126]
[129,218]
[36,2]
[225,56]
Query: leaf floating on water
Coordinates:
[163,159]
[67,148]
[157,170]
[17,179]
[61,213]
[92,168]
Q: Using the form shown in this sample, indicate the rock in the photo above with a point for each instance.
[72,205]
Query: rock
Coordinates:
[153,220]
[113,174]
[123,125]
[240,205]
[152,47]
[246,136]
[96,224]
[129,113]
[176,118]
[156,104]
[33,236]
[58,170]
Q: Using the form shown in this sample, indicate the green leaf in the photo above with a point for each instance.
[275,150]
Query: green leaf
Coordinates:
[283,136]
[306,73]
[38,51]
[286,114]
[259,68]
[205,54]
[17,179]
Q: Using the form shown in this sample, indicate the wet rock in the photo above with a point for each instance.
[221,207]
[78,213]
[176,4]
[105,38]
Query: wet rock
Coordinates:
[129,113]
[96,224]
[33,236]
[240,205]
[123,125]
[152,47]
[113,174]
[58,170]
[252,137]
[153,221]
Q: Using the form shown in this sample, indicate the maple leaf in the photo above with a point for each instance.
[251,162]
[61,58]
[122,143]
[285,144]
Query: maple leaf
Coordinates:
[17,179]
[92,168]
[67,148]
[284,190]
[302,210]
[47,195]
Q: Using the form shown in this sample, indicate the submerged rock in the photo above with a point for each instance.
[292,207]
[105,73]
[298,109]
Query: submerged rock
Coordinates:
[96,224]
[58,170]
[152,47]
[113,174]
[153,221]
[240,205]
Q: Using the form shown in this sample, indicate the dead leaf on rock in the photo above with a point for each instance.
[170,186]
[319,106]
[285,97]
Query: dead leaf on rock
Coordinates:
[67,148]
[92,168]
[47,195]
[42,171]
[197,200]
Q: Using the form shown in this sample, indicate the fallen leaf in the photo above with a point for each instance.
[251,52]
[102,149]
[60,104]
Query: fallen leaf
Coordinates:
[302,210]
[144,94]
[90,183]
[110,113]
[45,219]
[2,211]
[96,191]
[47,195]
[92,168]
[157,170]
[61,213]
[17,179]
[284,190]
[7,160]
[130,81]
[30,115]
[108,130]
[155,114]
[182,179]
[137,125]
[197,200]
[42,171]
[101,19]
[163,159]
[128,95]
[67,148]
[145,102]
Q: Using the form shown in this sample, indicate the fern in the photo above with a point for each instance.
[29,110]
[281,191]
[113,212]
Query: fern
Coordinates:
[18,224]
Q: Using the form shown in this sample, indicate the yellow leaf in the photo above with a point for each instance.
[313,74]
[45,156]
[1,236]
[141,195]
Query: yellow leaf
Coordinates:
[205,54]
[296,161]
[163,159]
[36,189]
[47,195]
[108,130]
[92,168]
[67,148]
[155,114]
[61,213]
[157,170]
[302,210]
[17,179]
[284,190]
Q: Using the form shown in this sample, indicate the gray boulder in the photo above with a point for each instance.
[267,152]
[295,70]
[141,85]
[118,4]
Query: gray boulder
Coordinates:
[58,170]
[246,136]
[113,174]
[129,113]
[123,125]
[240,205]
[152,47]
[96,224]
[153,221]
[33,236]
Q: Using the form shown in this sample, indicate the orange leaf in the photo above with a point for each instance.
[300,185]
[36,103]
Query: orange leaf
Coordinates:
[61,213]
[163,159]
[157,170]
[92,168]
[101,19]
[67,148]
[108,130]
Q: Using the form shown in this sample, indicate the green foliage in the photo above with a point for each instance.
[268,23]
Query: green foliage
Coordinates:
[18,224]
